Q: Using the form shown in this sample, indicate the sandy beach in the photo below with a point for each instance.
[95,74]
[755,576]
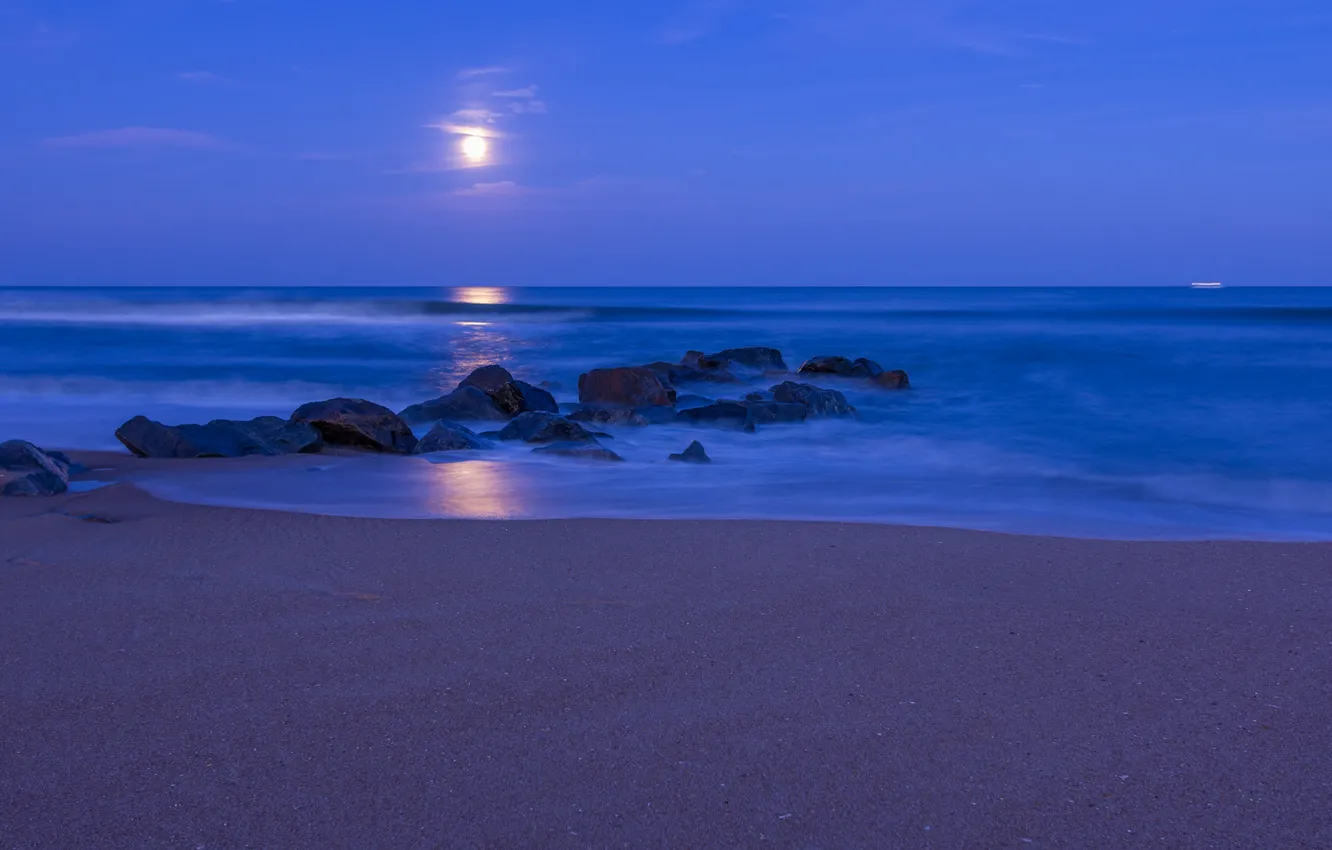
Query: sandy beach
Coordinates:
[182,676]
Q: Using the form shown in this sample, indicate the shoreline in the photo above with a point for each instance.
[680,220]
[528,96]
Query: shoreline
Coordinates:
[237,677]
[111,467]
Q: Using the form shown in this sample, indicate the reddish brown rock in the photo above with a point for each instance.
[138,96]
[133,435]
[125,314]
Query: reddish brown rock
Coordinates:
[630,386]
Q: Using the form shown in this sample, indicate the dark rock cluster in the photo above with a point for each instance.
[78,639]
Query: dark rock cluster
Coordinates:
[637,396]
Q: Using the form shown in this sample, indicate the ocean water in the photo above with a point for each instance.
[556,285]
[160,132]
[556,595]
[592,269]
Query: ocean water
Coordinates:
[1124,413]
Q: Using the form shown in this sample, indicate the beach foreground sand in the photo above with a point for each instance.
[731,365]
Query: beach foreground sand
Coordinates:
[201,677]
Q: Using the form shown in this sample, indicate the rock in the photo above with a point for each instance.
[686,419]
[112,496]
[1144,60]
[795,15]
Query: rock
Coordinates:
[22,456]
[893,380]
[516,397]
[60,457]
[686,401]
[540,427]
[487,379]
[760,396]
[657,415]
[721,414]
[861,367]
[357,422]
[583,451]
[629,386]
[266,435]
[831,365]
[758,358]
[36,483]
[465,403]
[285,436]
[26,470]
[610,416]
[769,412]
[819,401]
[693,454]
[449,437]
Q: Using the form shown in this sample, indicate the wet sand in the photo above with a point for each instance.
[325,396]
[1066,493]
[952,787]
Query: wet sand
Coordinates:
[183,676]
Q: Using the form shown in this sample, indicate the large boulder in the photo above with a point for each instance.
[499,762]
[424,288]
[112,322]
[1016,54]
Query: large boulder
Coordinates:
[465,403]
[449,437]
[693,453]
[758,358]
[541,427]
[266,435]
[357,422]
[487,379]
[26,470]
[515,397]
[582,451]
[627,386]
[819,401]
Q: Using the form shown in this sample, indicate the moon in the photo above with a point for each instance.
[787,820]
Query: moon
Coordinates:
[474,148]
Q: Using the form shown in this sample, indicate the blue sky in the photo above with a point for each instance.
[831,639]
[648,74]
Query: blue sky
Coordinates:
[699,142]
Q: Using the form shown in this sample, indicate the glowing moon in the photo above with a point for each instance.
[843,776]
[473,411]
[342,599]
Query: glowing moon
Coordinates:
[474,148]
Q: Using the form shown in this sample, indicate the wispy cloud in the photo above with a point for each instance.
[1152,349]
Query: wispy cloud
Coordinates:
[130,137]
[530,107]
[201,77]
[482,71]
[498,189]
[475,115]
[455,128]
[700,19]
[525,91]
[1055,38]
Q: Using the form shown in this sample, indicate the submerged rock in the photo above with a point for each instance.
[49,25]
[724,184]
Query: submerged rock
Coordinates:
[629,386]
[265,435]
[720,414]
[744,415]
[835,365]
[541,427]
[26,470]
[694,453]
[583,451]
[357,422]
[466,403]
[632,416]
[768,412]
[449,437]
[515,397]
[861,367]
[610,416]
[487,379]
[819,401]
[759,358]
[686,401]
[894,379]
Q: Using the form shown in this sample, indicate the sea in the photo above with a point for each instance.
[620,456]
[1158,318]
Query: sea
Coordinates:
[1125,413]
